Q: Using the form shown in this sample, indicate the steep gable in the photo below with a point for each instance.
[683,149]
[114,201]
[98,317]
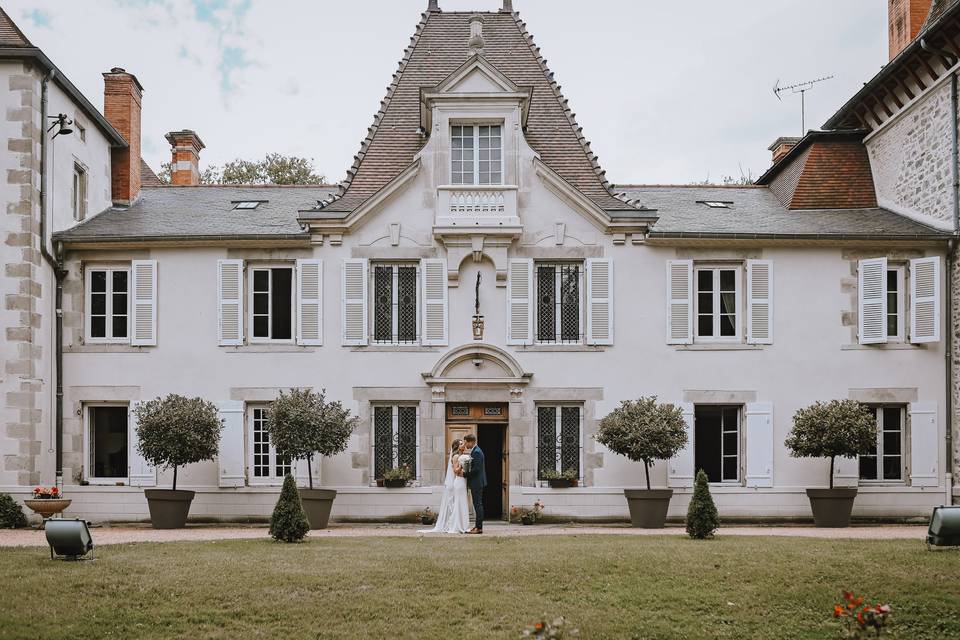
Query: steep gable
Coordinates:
[10,34]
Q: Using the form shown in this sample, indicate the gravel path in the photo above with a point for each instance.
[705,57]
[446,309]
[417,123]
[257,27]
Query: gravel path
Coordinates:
[143,533]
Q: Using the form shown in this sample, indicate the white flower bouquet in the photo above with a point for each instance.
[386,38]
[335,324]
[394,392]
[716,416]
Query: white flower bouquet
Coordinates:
[465,462]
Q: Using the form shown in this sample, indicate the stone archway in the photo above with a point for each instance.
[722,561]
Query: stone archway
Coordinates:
[477,365]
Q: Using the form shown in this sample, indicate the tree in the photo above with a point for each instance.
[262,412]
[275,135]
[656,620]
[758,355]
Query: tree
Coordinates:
[274,168]
[843,428]
[644,431]
[176,431]
[302,424]
[702,516]
[288,521]
[11,515]
[208,175]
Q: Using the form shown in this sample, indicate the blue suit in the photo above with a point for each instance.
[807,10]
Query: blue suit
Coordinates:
[477,480]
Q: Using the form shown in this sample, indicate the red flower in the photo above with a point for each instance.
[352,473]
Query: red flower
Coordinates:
[54,490]
[848,595]
[837,610]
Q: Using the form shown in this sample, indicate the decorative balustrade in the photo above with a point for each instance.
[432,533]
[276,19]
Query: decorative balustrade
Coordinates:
[477,206]
[477,202]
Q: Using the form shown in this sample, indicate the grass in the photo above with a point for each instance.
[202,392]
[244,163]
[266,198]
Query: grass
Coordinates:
[611,587]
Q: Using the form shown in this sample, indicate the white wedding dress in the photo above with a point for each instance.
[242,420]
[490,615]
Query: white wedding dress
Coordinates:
[454,514]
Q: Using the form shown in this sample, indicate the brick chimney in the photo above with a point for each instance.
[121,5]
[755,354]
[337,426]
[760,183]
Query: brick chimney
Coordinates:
[782,146]
[905,18]
[122,95]
[185,147]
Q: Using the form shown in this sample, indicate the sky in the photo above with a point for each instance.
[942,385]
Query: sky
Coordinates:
[666,92]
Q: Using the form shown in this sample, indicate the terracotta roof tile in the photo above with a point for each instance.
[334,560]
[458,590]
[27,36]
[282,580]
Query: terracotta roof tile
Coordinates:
[147,177]
[10,34]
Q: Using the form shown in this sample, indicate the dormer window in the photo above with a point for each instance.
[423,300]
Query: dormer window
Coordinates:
[476,153]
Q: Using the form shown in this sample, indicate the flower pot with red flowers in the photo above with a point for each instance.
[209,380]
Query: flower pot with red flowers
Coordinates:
[47,502]
[427,516]
[172,432]
[303,424]
[844,428]
[645,431]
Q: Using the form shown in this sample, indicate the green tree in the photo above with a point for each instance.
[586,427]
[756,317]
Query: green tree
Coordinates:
[844,428]
[702,516]
[274,168]
[288,521]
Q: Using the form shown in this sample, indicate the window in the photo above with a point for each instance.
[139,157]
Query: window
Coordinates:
[272,308]
[266,466]
[716,204]
[896,304]
[476,154]
[716,442]
[558,287]
[247,204]
[81,130]
[885,462]
[78,194]
[395,319]
[107,443]
[559,442]
[396,441]
[108,304]
[717,303]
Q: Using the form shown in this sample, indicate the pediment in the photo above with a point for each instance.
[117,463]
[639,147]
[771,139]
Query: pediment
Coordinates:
[477,75]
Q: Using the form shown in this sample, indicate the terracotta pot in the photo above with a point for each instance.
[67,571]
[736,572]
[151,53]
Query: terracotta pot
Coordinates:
[394,484]
[380,482]
[47,507]
[832,507]
[168,508]
[317,504]
[648,507]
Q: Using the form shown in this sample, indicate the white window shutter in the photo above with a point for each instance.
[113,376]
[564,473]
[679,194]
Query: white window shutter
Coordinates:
[141,472]
[846,472]
[924,445]
[759,302]
[230,297]
[520,302]
[301,472]
[679,301]
[354,302]
[925,300]
[230,457]
[872,286]
[759,444]
[599,301]
[144,296]
[435,327]
[310,302]
[680,469]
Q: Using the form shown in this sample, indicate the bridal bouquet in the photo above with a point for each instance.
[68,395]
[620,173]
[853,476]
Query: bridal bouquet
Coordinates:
[465,462]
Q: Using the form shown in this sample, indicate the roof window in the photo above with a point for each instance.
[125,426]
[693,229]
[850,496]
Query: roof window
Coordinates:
[247,204]
[716,204]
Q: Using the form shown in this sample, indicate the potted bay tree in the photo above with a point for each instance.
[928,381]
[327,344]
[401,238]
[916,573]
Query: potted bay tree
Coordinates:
[172,432]
[645,431]
[302,424]
[839,428]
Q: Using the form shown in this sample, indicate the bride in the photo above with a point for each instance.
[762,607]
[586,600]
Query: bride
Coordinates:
[454,514]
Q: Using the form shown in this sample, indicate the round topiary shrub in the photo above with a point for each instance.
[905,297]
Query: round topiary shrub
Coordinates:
[844,428]
[289,522]
[11,515]
[702,516]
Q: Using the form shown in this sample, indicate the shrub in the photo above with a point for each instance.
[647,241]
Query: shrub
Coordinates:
[302,423]
[702,517]
[289,522]
[11,515]
[644,431]
[175,431]
[398,473]
[842,428]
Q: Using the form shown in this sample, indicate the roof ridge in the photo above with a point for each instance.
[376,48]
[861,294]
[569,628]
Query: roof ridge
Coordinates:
[690,186]
[245,186]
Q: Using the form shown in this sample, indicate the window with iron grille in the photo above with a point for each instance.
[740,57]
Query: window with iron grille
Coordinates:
[272,304]
[396,441]
[266,465]
[108,304]
[559,308]
[885,462]
[395,303]
[559,439]
[476,154]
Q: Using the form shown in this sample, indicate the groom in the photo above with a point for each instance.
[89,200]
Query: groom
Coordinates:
[476,479]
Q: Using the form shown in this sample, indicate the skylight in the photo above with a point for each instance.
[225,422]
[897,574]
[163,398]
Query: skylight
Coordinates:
[716,204]
[247,204]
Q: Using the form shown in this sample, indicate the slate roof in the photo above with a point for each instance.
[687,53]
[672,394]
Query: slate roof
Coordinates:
[754,212]
[437,49]
[10,34]
[203,212]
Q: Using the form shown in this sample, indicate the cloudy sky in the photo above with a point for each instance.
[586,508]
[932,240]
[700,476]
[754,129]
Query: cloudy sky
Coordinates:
[667,92]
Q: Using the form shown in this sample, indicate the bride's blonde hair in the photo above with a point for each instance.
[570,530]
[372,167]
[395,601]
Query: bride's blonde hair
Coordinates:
[455,446]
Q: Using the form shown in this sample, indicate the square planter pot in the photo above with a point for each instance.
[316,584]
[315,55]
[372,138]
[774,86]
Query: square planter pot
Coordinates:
[648,507]
[317,504]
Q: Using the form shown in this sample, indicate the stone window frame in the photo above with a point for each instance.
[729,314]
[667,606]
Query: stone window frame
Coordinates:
[558,407]
[475,125]
[79,190]
[87,423]
[395,264]
[581,302]
[109,267]
[395,406]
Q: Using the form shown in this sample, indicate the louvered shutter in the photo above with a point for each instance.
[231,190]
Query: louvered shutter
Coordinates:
[759,302]
[846,472]
[925,300]
[230,295]
[599,301]
[680,469]
[354,302]
[141,472]
[679,301]
[144,288]
[434,275]
[230,458]
[310,302]
[872,285]
[759,444]
[924,445]
[520,302]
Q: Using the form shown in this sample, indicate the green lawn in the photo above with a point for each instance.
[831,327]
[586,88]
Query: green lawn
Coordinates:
[610,586]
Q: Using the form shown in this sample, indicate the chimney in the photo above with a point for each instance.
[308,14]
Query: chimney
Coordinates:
[433,6]
[185,146]
[476,33]
[905,18]
[507,6]
[122,94]
[782,146]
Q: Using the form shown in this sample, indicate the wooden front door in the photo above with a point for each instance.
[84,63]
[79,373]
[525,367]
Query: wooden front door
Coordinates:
[489,422]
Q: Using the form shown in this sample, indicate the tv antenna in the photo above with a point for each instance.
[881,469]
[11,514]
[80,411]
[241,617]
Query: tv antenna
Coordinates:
[801,88]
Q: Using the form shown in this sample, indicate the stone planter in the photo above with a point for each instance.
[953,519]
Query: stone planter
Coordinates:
[832,507]
[560,483]
[168,508]
[395,484]
[648,507]
[317,504]
[47,507]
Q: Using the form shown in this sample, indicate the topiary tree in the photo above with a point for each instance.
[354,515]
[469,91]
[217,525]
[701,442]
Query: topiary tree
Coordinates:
[702,516]
[11,515]
[175,431]
[302,424]
[289,522]
[843,428]
[644,431]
